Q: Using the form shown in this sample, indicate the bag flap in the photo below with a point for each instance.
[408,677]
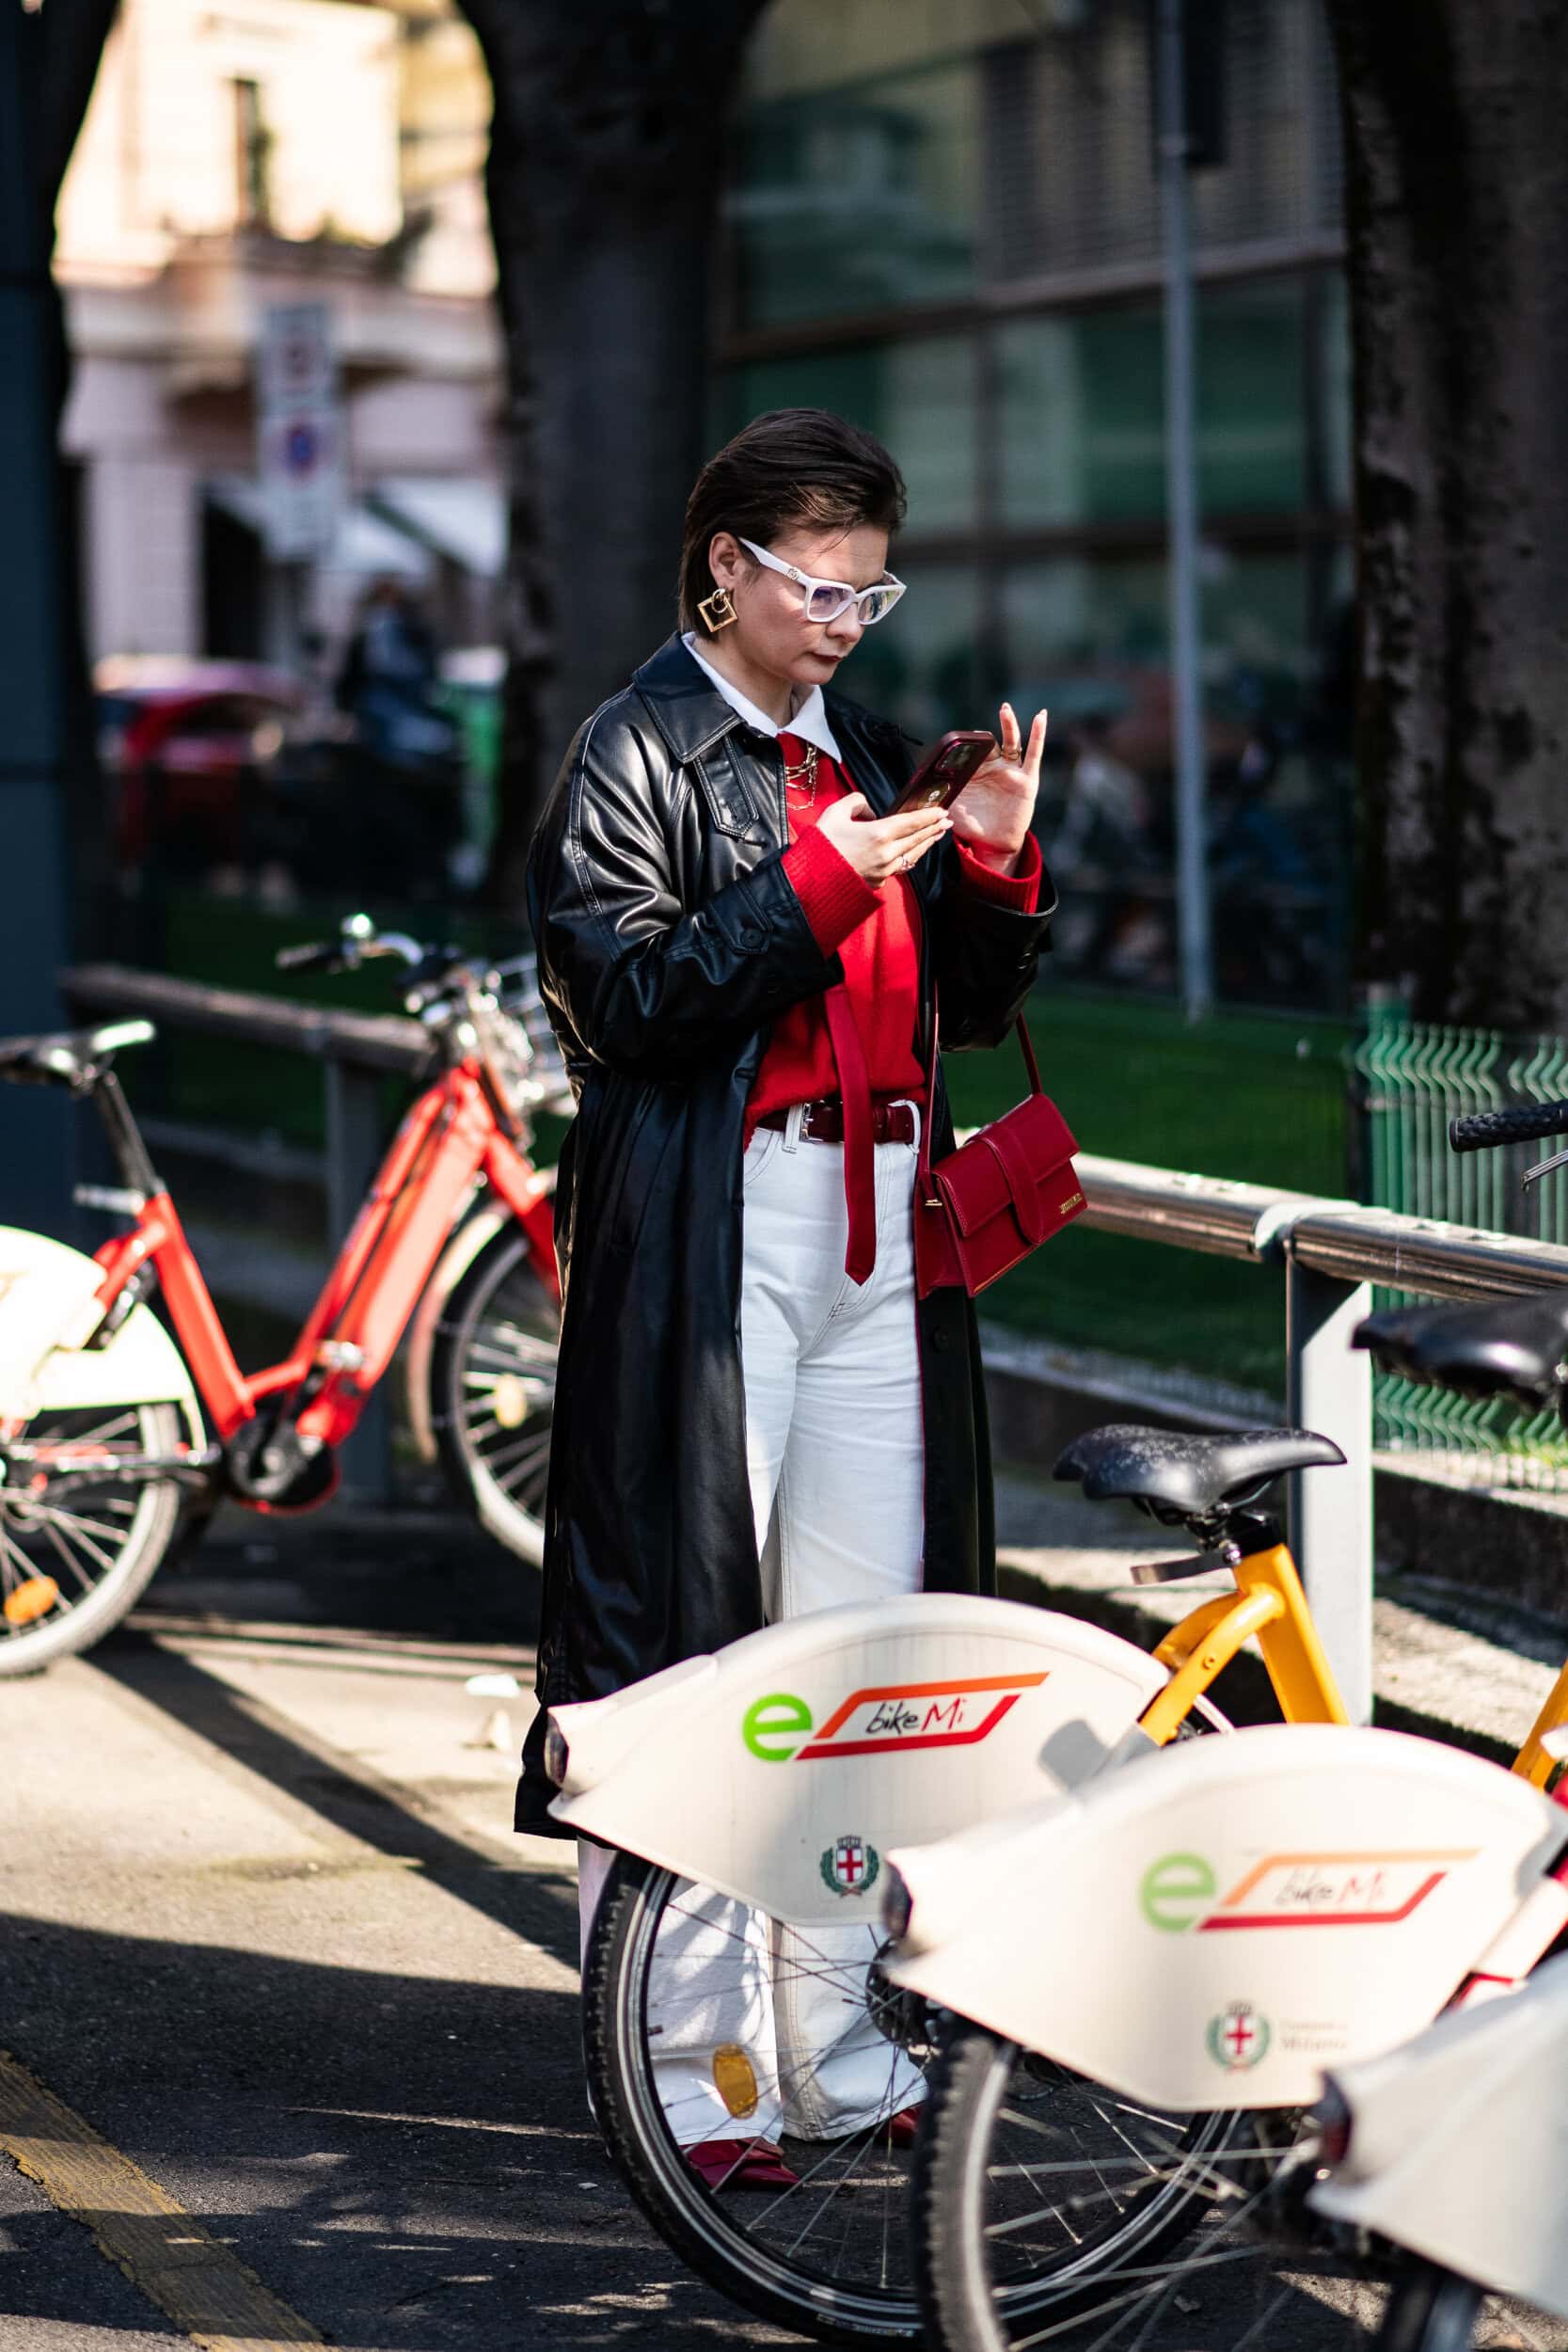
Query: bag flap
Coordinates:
[974,1180]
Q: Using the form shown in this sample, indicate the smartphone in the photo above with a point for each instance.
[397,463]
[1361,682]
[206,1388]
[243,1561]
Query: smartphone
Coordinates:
[945,769]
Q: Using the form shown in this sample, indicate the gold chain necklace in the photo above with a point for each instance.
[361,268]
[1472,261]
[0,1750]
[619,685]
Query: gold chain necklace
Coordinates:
[800,776]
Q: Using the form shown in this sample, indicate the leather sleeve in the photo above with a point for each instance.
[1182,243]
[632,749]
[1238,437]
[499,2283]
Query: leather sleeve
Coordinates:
[985,953]
[647,988]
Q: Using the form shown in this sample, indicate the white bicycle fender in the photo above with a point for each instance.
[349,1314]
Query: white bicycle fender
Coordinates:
[46,1309]
[1456,2148]
[782,1768]
[1211,1925]
[46,1293]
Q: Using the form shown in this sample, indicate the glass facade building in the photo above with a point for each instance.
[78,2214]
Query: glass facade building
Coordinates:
[944,222]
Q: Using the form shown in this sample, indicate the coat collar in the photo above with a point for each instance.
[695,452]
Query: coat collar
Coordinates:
[691,715]
[809,724]
[687,708]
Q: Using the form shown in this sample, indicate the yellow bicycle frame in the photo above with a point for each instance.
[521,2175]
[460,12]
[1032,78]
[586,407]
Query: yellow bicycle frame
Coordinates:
[1269,1603]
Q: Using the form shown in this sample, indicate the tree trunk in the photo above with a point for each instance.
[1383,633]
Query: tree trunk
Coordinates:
[55,826]
[1457,168]
[56,59]
[603,177]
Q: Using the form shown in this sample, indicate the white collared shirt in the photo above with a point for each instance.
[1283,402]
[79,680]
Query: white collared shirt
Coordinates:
[810,721]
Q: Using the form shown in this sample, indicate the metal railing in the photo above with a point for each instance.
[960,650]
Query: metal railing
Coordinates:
[357,1051]
[1332,1252]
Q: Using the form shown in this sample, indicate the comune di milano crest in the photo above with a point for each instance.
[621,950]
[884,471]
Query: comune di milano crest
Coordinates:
[849,1866]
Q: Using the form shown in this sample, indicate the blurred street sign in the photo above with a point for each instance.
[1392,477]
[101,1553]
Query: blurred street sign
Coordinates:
[300,455]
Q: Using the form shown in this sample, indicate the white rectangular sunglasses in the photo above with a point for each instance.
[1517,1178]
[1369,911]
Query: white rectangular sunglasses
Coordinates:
[825,600]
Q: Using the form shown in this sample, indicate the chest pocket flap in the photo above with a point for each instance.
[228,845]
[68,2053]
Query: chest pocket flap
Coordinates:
[733,787]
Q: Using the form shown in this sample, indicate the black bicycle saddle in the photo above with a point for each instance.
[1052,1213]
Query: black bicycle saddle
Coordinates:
[1503,1347]
[1192,1476]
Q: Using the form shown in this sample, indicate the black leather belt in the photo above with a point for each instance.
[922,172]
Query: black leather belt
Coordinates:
[823,1121]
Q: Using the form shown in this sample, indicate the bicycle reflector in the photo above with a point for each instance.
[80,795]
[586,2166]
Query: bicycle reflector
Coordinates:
[735,2078]
[558,1756]
[29,1601]
[897,1905]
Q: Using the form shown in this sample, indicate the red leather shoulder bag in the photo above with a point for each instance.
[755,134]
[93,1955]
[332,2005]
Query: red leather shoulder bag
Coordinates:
[999,1196]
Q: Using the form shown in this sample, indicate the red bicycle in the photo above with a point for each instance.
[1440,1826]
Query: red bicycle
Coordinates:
[117,1427]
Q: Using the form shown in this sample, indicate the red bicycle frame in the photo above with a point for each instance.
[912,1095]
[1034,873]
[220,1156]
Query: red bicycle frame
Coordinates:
[449,1138]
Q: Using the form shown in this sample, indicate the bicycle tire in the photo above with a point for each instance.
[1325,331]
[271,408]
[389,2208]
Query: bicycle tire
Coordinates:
[30,1540]
[964,2310]
[710,2231]
[1430,2310]
[496,1344]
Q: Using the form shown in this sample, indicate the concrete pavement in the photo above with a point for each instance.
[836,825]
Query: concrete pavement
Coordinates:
[269,1932]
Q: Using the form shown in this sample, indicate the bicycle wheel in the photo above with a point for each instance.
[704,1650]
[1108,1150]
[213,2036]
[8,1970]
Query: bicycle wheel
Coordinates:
[1050,2211]
[74,1557]
[1431,2311]
[704,2021]
[492,1377]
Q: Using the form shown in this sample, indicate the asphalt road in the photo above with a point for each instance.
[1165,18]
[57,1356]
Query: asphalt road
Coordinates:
[269,1933]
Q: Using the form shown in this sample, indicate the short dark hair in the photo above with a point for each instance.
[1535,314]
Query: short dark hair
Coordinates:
[792,465]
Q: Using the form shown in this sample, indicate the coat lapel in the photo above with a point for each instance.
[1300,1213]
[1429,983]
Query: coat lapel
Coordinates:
[876,753]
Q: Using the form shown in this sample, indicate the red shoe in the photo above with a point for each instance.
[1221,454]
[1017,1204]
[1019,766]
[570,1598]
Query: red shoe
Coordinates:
[739,2165]
[903,2129]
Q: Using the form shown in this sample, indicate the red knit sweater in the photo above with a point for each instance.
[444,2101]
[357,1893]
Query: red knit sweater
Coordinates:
[877,936]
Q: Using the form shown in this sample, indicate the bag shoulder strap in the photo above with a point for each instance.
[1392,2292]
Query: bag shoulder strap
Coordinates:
[1025,1041]
[1029,1062]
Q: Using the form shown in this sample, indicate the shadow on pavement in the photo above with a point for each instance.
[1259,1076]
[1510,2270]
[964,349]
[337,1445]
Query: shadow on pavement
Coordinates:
[352,1799]
[408,2161]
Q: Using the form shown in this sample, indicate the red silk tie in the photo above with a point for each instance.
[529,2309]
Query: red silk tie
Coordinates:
[854,1087]
[859,1173]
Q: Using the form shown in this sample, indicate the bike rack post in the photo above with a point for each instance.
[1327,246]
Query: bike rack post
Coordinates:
[1329,1389]
[355,1143]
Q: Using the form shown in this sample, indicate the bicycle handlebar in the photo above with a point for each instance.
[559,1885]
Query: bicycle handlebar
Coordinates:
[360,939]
[316,956]
[1483,1131]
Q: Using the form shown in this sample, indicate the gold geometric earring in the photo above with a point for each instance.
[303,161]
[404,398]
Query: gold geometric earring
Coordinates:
[717,611]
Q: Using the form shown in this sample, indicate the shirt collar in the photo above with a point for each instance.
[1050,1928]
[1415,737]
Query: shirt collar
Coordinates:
[810,721]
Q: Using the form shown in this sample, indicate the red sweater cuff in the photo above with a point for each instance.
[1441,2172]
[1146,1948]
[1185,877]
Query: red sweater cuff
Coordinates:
[836,900]
[1019,892]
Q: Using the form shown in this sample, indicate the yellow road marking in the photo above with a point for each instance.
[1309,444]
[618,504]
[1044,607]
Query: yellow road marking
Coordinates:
[192,2276]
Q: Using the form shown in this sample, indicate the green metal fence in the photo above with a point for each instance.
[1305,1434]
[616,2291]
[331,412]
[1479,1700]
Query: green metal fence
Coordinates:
[1410,1078]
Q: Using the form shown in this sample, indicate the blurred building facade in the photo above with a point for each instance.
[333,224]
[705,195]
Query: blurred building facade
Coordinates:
[241,153]
[944,223]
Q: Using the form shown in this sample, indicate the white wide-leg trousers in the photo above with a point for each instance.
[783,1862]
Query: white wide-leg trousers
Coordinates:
[836,1461]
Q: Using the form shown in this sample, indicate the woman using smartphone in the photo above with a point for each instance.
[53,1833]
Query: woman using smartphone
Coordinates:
[741,949]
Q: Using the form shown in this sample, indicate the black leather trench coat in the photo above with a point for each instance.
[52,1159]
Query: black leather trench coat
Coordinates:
[669,938]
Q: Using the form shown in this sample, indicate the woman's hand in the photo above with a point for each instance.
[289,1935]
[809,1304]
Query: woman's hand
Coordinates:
[879,846]
[991,814]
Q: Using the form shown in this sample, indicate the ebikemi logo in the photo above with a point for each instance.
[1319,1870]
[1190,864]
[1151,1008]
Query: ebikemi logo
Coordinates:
[1365,1889]
[959,1713]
